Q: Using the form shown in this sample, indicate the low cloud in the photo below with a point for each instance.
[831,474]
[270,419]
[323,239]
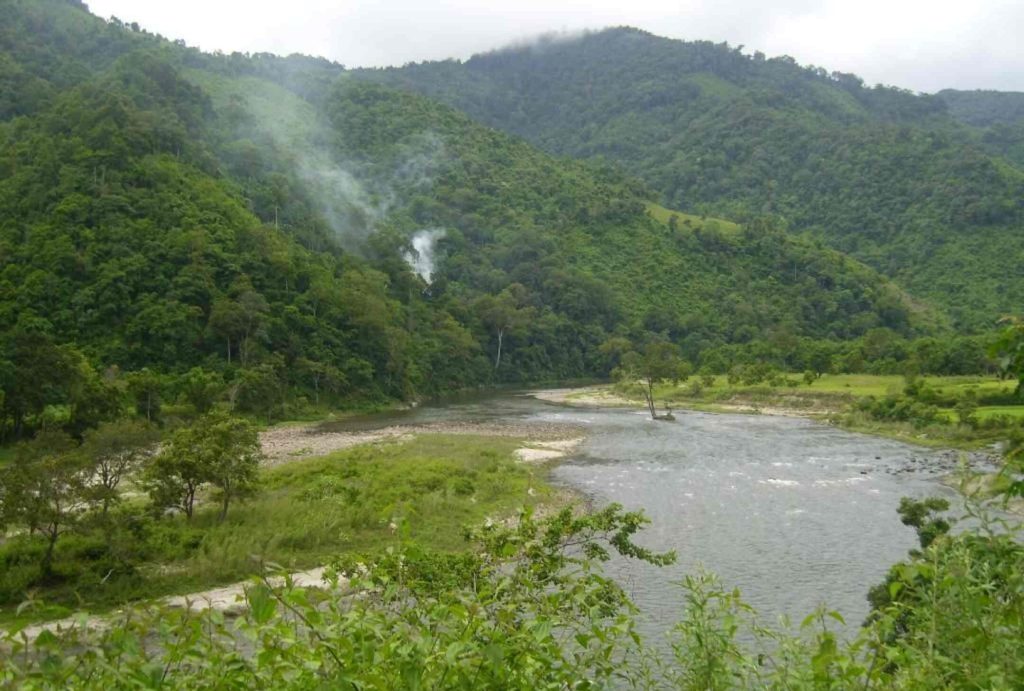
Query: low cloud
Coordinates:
[924,45]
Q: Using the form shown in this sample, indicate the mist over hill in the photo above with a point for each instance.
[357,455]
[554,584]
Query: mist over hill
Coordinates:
[893,178]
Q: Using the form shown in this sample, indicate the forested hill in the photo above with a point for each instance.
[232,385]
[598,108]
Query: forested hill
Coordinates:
[886,175]
[250,225]
[984,108]
[997,118]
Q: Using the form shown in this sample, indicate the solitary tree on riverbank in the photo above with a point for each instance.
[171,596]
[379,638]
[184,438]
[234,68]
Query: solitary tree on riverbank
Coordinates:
[656,363]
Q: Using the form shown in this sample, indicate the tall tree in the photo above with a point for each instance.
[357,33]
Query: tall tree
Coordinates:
[655,363]
[113,451]
[232,450]
[146,387]
[1008,350]
[201,388]
[45,488]
[219,450]
[504,315]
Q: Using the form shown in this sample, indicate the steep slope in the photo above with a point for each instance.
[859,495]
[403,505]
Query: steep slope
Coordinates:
[168,210]
[877,172]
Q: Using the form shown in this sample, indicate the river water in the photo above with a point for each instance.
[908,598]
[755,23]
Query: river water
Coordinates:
[793,512]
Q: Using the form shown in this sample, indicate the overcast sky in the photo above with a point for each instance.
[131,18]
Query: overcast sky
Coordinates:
[924,45]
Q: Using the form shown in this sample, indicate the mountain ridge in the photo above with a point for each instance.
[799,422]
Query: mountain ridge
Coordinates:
[881,173]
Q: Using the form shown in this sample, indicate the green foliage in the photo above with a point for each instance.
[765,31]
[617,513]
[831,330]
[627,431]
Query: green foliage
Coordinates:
[1008,350]
[200,389]
[877,352]
[885,175]
[920,515]
[146,390]
[997,116]
[529,607]
[967,409]
[218,450]
[897,408]
[236,214]
[651,364]
[43,489]
[114,451]
[304,513]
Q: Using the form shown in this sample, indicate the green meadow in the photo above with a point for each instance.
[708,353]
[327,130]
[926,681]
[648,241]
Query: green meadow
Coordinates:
[353,503]
[662,215]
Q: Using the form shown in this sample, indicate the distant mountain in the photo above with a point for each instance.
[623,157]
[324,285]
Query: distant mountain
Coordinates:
[265,219]
[891,177]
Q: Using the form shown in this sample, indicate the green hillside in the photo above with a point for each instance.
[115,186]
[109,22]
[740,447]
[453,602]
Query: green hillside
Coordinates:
[254,218]
[984,108]
[996,116]
[880,173]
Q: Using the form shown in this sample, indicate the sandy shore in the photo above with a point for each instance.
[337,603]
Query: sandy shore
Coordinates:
[587,396]
[603,397]
[544,451]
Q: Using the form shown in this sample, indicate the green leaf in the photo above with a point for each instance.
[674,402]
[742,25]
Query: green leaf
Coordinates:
[261,603]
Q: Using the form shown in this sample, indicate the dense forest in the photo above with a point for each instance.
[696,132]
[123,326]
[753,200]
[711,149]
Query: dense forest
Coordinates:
[890,177]
[997,118]
[254,223]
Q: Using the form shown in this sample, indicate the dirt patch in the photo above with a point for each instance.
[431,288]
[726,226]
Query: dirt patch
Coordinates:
[754,409]
[232,597]
[544,451]
[285,444]
[229,598]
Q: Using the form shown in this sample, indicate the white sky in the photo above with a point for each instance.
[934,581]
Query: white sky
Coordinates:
[924,45]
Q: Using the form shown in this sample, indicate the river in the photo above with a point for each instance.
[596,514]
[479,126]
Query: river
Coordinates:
[793,512]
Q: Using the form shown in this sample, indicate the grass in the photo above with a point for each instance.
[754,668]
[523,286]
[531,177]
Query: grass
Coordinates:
[990,411]
[884,385]
[662,215]
[354,502]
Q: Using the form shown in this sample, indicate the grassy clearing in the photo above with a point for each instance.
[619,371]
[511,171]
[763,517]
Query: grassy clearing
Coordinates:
[662,215]
[990,411]
[885,385]
[358,501]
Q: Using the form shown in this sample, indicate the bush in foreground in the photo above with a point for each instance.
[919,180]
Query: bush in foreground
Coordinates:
[529,608]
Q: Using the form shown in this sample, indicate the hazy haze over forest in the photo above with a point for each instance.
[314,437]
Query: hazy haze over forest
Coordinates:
[916,44]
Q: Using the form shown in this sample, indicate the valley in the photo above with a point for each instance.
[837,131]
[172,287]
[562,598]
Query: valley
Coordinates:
[604,360]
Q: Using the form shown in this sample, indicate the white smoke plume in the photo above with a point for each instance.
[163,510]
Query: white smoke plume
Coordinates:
[424,245]
[348,207]
[354,198]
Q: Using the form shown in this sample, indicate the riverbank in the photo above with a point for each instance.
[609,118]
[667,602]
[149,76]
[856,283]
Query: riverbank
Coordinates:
[297,442]
[952,455]
[607,396]
[321,495]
